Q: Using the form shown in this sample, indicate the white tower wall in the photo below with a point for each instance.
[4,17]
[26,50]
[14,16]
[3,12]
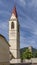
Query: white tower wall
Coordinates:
[14,37]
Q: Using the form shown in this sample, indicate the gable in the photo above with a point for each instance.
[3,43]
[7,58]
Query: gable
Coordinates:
[4,39]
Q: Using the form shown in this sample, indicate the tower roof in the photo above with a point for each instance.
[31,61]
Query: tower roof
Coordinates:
[14,11]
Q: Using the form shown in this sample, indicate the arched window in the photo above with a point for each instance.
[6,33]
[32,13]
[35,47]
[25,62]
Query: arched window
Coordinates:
[12,25]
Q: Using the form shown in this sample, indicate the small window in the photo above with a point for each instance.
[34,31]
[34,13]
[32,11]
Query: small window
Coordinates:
[12,25]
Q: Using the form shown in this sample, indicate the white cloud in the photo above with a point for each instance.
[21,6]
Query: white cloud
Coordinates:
[35,32]
[22,2]
[2,3]
[29,23]
[32,3]
[3,26]
[4,12]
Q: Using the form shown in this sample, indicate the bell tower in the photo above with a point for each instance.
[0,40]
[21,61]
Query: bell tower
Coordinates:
[14,34]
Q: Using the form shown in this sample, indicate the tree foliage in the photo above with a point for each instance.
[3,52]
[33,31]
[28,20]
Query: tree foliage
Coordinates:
[26,55]
[35,55]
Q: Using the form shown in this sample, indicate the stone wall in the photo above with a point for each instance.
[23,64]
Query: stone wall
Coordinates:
[15,61]
[32,60]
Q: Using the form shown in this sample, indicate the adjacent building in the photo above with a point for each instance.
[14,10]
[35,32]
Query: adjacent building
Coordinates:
[4,51]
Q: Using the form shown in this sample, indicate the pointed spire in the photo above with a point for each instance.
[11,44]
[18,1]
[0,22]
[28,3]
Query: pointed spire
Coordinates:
[14,11]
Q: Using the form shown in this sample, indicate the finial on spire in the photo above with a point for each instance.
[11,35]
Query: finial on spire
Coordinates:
[14,11]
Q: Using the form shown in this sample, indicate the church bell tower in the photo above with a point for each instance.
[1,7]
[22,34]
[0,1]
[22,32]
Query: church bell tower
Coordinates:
[14,35]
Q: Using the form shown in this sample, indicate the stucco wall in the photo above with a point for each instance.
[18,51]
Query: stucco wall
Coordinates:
[4,51]
[4,63]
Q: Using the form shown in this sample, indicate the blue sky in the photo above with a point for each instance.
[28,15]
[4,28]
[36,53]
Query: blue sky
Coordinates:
[27,16]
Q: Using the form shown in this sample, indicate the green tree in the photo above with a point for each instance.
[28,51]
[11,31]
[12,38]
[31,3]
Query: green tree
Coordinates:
[35,55]
[27,54]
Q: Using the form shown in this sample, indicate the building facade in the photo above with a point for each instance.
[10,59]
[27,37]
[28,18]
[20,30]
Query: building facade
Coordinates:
[4,51]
